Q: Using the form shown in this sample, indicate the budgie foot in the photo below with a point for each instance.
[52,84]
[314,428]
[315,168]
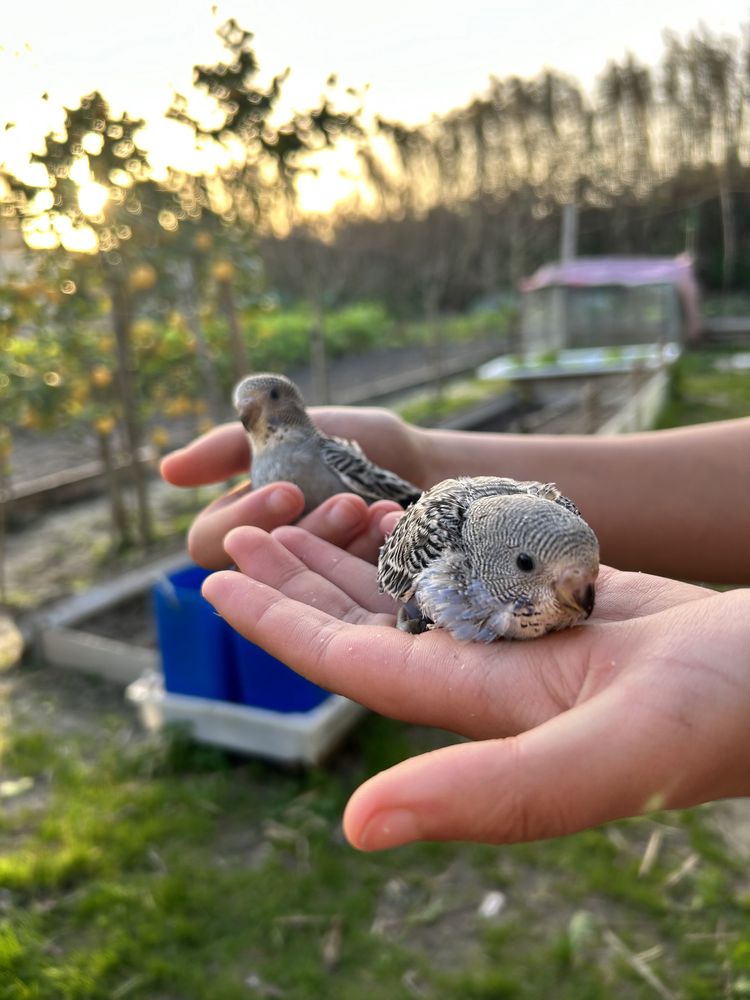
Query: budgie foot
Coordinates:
[410,619]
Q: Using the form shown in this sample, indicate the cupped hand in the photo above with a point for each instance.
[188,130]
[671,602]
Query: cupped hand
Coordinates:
[645,706]
[346,521]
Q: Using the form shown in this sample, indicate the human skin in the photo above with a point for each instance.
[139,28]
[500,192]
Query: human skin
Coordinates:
[667,502]
[643,707]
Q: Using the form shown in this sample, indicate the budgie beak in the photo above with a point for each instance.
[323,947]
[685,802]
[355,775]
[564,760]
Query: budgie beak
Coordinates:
[249,412]
[247,404]
[575,589]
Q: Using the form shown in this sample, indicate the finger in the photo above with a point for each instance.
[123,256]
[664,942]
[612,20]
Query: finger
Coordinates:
[389,522]
[342,657]
[220,454]
[578,770]
[431,679]
[367,544]
[340,520]
[266,508]
[354,576]
[622,595]
[263,557]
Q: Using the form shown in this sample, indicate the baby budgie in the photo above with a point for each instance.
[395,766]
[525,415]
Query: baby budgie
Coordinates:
[489,558]
[287,445]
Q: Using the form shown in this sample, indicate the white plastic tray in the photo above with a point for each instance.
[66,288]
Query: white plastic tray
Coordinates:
[289,737]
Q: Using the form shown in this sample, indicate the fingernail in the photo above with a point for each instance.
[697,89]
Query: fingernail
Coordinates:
[282,503]
[345,513]
[232,496]
[389,828]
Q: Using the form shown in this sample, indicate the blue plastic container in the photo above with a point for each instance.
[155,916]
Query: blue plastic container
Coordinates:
[195,643]
[203,656]
[265,682]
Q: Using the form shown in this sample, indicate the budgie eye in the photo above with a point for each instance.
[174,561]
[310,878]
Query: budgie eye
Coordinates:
[524,562]
[273,394]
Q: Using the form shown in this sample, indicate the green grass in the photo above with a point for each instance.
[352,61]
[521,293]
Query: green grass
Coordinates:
[168,870]
[428,409]
[700,392]
[163,870]
[279,340]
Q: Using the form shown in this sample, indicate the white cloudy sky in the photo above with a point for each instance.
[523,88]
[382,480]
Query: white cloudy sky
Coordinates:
[417,56]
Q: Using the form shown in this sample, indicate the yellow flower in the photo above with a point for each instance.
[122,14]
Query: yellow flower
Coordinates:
[104,425]
[177,320]
[160,437]
[178,406]
[223,270]
[80,392]
[143,328]
[101,376]
[141,278]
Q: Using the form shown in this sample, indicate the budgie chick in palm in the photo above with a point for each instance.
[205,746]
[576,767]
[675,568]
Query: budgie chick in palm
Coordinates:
[489,558]
[287,445]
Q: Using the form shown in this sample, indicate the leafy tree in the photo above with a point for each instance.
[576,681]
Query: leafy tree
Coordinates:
[256,190]
[265,158]
[98,196]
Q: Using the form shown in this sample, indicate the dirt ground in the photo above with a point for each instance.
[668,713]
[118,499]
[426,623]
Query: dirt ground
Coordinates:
[66,549]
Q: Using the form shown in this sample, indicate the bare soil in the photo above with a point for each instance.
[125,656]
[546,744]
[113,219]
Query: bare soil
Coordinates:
[132,622]
[69,548]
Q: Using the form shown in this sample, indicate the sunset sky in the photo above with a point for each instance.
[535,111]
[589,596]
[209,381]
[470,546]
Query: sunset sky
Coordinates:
[417,56]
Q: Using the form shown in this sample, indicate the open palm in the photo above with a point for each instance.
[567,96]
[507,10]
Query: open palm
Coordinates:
[644,706]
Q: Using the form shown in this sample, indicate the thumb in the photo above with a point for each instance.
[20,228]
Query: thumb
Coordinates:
[582,768]
[220,453]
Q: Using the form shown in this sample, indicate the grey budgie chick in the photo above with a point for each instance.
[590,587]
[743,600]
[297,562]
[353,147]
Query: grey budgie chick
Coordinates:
[287,445]
[488,558]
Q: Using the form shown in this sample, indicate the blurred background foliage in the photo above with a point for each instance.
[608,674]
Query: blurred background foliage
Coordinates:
[143,295]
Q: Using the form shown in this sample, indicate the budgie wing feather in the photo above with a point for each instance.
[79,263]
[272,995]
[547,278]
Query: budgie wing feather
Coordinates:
[359,475]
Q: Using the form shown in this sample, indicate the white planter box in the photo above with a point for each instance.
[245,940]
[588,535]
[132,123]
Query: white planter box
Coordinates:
[288,737]
[111,659]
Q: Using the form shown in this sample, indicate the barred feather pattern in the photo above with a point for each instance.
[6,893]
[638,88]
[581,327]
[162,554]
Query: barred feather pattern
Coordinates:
[454,553]
[359,475]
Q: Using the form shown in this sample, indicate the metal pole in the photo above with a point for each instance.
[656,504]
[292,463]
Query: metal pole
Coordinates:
[569,232]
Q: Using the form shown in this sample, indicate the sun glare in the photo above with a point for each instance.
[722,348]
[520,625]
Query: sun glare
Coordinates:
[92,198]
[76,239]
